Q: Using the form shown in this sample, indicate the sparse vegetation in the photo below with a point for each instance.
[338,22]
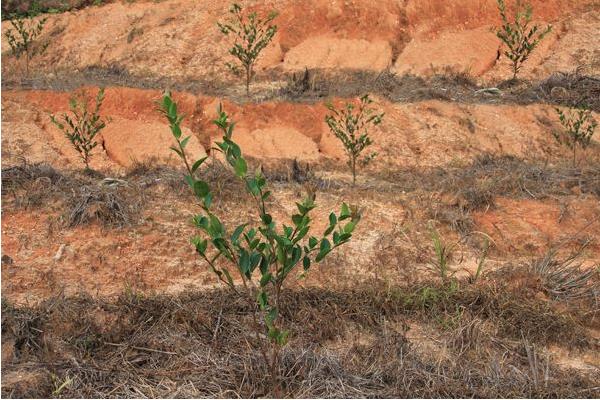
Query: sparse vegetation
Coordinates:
[85,123]
[579,126]
[23,37]
[565,278]
[199,342]
[517,35]
[251,35]
[351,128]
[273,253]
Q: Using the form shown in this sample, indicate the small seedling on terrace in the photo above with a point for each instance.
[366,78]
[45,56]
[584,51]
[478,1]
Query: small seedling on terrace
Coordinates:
[82,127]
[579,126]
[351,128]
[22,37]
[518,36]
[251,35]
[264,256]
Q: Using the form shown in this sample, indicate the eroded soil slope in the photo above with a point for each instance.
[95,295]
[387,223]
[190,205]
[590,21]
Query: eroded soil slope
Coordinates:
[480,167]
[179,38]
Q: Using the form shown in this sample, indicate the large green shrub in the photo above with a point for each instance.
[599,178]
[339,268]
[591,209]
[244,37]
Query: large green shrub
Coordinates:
[256,260]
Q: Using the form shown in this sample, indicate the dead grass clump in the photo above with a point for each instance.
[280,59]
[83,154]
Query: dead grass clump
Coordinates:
[565,278]
[31,184]
[24,326]
[150,172]
[571,89]
[113,205]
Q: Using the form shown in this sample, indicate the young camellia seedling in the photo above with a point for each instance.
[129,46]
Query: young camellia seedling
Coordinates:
[351,128]
[251,35]
[256,261]
[520,39]
[22,37]
[579,127]
[83,125]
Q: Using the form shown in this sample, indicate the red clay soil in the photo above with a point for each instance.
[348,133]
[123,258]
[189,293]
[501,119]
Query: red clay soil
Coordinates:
[179,38]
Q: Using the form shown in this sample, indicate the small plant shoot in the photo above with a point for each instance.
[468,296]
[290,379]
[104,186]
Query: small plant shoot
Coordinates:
[83,125]
[579,126]
[259,258]
[22,38]
[251,35]
[519,37]
[350,125]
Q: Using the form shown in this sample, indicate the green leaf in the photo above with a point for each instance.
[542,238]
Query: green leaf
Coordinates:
[332,219]
[324,249]
[241,167]
[263,301]
[349,228]
[265,279]
[266,219]
[201,189]
[237,232]
[198,163]
[345,211]
[306,263]
[200,244]
[175,129]
[184,142]
[176,150]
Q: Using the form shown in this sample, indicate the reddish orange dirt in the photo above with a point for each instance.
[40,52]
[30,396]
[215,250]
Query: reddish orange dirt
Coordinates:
[178,39]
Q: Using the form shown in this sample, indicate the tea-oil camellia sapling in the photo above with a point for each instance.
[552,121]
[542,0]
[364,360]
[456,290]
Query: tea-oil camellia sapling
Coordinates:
[351,128]
[256,261]
[517,35]
[579,127]
[22,37]
[251,35]
[83,125]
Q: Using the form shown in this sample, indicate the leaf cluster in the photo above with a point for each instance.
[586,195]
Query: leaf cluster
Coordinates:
[517,35]
[350,126]
[251,35]
[83,125]
[23,33]
[579,126]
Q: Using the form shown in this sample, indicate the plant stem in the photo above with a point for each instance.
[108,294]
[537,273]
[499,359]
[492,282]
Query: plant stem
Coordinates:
[353,167]
[248,73]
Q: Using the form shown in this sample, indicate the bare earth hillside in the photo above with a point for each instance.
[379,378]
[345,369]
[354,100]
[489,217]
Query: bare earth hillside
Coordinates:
[104,296]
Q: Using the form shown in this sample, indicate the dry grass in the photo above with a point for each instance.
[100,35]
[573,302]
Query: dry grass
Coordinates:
[84,197]
[318,85]
[113,206]
[30,185]
[565,278]
[350,342]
